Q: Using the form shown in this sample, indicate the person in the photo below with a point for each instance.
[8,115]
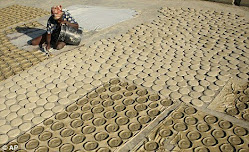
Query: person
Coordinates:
[236,2]
[57,18]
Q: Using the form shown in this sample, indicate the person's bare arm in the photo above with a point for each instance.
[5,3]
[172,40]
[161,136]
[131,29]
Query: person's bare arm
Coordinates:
[48,39]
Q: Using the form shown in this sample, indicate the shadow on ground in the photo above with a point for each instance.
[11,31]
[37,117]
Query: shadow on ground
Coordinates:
[31,32]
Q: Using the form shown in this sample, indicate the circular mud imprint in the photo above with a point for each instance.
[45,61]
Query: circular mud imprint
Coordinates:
[154,97]
[108,103]
[116,97]
[245,116]
[87,116]
[115,89]
[110,114]
[227,148]
[55,142]
[142,92]
[209,141]
[241,106]
[91,145]
[131,87]
[37,130]
[180,127]
[79,138]
[151,146]
[177,115]
[67,148]
[61,116]
[193,135]
[134,126]
[100,90]
[210,119]
[240,131]
[190,120]
[115,81]
[112,128]
[74,115]
[77,123]
[119,108]
[82,101]
[115,142]
[131,113]
[23,138]
[235,140]
[99,121]
[153,105]
[144,119]
[153,112]
[94,102]
[98,109]
[101,136]
[67,132]
[57,126]
[92,95]
[104,96]
[165,132]
[48,122]
[72,108]
[141,99]
[127,94]
[140,107]
[219,133]
[184,144]
[122,120]
[32,144]
[232,111]
[88,129]
[225,124]
[168,122]
[203,127]
[45,136]
[190,110]
[166,103]
[125,134]
[128,102]
[85,108]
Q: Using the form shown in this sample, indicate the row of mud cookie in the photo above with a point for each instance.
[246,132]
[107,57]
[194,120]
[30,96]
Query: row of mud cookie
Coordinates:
[102,121]
[188,129]
[16,13]
[14,60]
[189,56]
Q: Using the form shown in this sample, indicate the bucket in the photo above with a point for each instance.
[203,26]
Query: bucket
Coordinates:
[70,35]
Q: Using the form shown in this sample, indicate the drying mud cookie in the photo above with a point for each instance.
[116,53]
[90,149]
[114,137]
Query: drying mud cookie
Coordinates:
[190,129]
[163,52]
[101,121]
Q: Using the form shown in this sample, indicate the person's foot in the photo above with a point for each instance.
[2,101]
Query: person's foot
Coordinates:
[236,2]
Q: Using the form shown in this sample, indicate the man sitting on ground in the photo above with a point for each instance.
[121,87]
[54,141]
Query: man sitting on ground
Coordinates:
[57,18]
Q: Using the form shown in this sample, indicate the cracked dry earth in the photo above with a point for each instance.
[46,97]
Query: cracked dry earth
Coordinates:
[175,66]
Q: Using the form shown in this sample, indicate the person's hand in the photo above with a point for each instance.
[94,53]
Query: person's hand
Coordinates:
[48,47]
